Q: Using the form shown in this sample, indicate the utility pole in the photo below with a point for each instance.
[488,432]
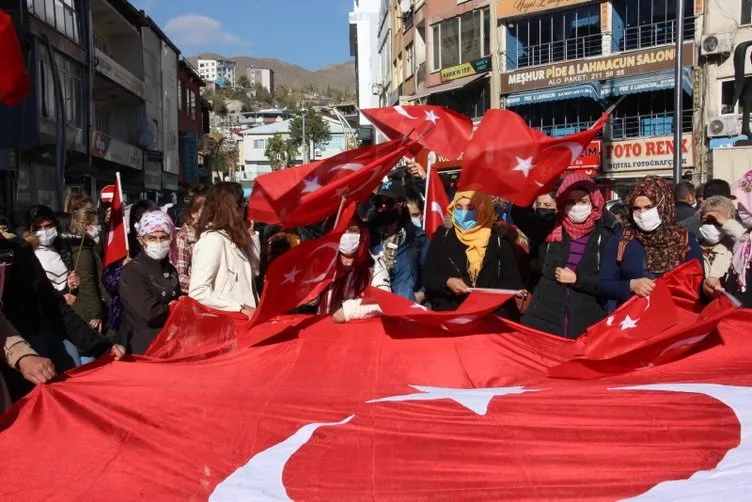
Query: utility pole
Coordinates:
[495,69]
[305,141]
[678,92]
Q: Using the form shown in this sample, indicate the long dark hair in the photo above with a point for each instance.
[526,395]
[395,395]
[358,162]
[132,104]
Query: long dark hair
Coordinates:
[223,213]
[195,205]
[39,214]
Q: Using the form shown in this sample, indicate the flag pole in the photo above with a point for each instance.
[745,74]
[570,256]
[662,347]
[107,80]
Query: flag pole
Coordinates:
[339,211]
[119,188]
[430,160]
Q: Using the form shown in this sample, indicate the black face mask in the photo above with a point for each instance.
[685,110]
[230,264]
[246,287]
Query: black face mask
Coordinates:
[546,213]
[387,217]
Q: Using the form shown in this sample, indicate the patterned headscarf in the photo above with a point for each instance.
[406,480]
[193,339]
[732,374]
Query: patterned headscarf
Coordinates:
[664,245]
[155,221]
[576,181]
[742,190]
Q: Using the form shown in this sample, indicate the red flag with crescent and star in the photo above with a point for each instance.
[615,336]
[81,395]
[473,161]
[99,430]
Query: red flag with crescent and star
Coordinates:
[305,409]
[312,193]
[14,80]
[301,274]
[436,204]
[437,128]
[116,248]
[508,158]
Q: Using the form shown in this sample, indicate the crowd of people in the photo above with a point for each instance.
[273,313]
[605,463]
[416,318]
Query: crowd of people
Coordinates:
[572,256]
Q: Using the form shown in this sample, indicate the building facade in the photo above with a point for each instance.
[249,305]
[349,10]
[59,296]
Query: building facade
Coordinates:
[364,47]
[218,71]
[261,76]
[193,123]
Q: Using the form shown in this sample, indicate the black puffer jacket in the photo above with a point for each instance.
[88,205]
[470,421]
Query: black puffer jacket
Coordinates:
[446,259]
[579,302]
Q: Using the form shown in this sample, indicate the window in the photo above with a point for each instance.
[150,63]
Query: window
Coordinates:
[101,44]
[70,74]
[639,24]
[60,14]
[410,66]
[386,63]
[180,96]
[560,118]
[460,39]
[259,144]
[728,107]
[746,11]
[192,104]
[102,120]
[556,36]
[649,114]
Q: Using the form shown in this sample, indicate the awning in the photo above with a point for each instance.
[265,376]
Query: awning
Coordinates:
[590,90]
[449,86]
[648,83]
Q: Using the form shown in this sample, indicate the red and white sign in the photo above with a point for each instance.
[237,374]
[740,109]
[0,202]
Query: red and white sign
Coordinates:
[643,156]
[591,157]
[114,150]
[107,194]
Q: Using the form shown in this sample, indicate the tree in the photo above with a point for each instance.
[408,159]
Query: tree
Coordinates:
[316,130]
[263,95]
[244,82]
[220,107]
[280,152]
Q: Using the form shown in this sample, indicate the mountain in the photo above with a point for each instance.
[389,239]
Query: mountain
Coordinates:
[339,76]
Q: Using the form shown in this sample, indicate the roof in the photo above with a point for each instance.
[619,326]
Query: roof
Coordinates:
[184,62]
[283,127]
[150,22]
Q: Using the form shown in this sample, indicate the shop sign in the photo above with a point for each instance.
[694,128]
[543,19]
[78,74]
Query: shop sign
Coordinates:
[590,158]
[512,8]
[169,182]
[190,158]
[481,65]
[626,64]
[116,151]
[118,74]
[642,155]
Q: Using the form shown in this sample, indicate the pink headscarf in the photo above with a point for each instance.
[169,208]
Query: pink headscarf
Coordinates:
[576,181]
[155,221]
[742,190]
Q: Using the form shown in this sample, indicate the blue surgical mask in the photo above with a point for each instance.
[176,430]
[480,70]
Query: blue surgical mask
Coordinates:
[466,218]
[417,221]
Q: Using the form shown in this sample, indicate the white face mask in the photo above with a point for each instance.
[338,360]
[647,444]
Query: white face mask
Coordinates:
[579,213]
[711,233]
[647,221]
[157,250]
[47,236]
[417,221]
[349,243]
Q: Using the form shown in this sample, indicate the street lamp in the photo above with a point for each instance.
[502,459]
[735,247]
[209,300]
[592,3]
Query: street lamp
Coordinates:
[305,143]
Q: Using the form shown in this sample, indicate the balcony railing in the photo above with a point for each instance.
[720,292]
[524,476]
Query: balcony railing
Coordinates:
[565,129]
[552,52]
[650,35]
[649,124]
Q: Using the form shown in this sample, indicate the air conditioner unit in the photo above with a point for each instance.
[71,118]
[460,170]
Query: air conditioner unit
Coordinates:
[727,125]
[716,44]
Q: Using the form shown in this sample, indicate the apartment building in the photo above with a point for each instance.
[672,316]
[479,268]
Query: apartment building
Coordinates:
[218,71]
[261,76]
[364,47]
[193,123]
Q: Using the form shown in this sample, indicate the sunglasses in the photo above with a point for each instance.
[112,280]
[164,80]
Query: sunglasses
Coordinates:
[384,204]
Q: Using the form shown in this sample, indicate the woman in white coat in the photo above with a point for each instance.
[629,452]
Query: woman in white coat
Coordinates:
[226,257]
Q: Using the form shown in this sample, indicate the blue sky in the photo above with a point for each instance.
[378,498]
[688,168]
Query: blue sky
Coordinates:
[309,33]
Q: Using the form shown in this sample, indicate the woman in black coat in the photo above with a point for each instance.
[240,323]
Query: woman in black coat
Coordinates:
[565,301]
[149,283]
[471,252]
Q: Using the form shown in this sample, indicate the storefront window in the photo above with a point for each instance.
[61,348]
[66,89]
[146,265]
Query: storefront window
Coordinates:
[556,36]
[461,39]
[472,101]
[649,114]
[561,118]
[639,24]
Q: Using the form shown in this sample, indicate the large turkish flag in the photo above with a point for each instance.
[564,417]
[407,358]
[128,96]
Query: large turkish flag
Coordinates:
[303,409]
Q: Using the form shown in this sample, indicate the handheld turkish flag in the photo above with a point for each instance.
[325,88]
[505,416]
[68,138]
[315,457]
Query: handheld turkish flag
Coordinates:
[269,187]
[478,304]
[436,205]
[442,130]
[509,159]
[117,240]
[301,274]
[14,80]
[315,192]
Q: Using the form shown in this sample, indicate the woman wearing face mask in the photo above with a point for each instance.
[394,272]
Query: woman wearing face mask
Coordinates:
[149,283]
[471,252]
[718,234]
[739,277]
[652,244]
[83,239]
[187,237]
[565,302]
[356,269]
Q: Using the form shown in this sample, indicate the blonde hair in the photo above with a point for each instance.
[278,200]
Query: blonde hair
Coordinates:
[718,203]
[81,220]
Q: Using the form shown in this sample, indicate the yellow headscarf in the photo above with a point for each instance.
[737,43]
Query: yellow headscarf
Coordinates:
[476,239]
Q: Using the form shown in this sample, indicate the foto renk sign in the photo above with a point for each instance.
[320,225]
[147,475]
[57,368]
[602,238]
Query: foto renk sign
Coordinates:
[643,156]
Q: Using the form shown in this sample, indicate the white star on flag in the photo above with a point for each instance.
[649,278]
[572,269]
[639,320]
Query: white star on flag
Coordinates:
[419,307]
[462,321]
[350,166]
[311,185]
[524,165]
[610,321]
[430,115]
[290,277]
[628,323]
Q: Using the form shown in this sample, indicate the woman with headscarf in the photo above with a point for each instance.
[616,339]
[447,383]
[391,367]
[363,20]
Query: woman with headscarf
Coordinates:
[471,252]
[718,233]
[149,283]
[356,269]
[565,302]
[651,244]
[739,277]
